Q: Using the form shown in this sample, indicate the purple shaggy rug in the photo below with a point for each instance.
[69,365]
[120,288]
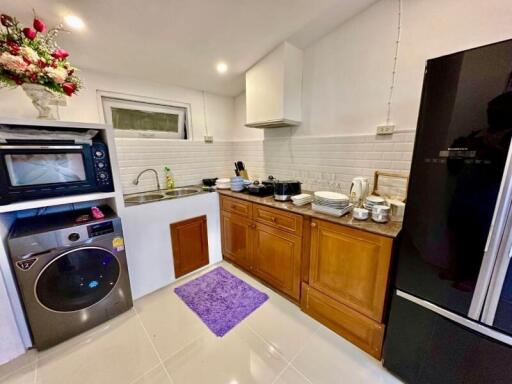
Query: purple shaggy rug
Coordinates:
[220,299]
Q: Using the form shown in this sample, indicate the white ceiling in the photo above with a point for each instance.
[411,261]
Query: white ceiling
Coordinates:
[179,42]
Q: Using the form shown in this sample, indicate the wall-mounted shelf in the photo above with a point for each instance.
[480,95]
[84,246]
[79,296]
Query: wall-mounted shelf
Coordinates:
[55,201]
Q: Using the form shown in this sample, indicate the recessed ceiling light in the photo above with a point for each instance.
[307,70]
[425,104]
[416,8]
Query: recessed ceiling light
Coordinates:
[222,67]
[74,22]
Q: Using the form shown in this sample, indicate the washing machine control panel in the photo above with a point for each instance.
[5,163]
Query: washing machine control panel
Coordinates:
[100,228]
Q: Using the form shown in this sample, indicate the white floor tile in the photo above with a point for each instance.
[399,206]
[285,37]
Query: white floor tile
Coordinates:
[118,355]
[157,375]
[328,357]
[163,342]
[238,357]
[23,375]
[292,376]
[171,325]
[282,325]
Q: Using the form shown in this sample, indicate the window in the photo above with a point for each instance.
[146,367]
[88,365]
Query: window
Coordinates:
[132,118]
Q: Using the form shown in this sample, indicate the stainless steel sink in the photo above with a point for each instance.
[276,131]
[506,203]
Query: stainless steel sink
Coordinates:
[182,192]
[143,198]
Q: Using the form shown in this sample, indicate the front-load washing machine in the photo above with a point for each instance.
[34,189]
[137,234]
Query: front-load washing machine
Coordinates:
[71,272]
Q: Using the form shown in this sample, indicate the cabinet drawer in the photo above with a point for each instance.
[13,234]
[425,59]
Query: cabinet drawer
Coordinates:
[237,206]
[289,222]
[356,328]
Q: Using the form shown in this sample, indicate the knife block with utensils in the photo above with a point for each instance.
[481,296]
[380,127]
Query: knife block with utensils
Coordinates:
[240,170]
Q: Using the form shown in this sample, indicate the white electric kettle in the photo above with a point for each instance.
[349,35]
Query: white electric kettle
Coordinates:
[358,190]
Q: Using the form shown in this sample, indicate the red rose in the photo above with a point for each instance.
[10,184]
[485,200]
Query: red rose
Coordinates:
[60,54]
[6,20]
[41,63]
[33,78]
[30,33]
[69,88]
[14,48]
[17,80]
[39,25]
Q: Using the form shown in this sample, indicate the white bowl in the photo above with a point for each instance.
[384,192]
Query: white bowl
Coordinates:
[360,213]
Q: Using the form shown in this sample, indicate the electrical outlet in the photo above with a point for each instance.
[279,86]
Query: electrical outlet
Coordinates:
[385,129]
[208,139]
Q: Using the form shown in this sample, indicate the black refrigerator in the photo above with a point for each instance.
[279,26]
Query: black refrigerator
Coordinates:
[450,315]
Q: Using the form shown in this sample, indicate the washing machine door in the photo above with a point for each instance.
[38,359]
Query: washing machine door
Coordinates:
[77,279]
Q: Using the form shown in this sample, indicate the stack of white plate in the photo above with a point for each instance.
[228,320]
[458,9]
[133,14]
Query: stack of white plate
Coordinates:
[331,199]
[223,184]
[332,211]
[371,201]
[302,199]
[237,183]
[331,203]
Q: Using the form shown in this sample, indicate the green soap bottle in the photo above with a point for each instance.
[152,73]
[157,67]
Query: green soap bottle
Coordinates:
[169,181]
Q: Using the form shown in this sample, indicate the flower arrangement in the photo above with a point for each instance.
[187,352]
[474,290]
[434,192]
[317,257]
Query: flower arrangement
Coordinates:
[30,55]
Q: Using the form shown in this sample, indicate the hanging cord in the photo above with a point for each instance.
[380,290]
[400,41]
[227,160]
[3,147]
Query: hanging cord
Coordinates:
[395,62]
[204,115]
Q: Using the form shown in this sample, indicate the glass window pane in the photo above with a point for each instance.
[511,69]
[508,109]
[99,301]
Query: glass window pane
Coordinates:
[133,119]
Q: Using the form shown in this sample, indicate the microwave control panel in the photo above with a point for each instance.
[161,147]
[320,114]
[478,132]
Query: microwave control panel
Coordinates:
[101,165]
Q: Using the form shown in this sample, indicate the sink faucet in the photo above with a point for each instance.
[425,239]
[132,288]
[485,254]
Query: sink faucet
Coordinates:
[136,181]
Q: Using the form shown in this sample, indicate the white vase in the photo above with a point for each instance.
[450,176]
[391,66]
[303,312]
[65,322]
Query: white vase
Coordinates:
[44,100]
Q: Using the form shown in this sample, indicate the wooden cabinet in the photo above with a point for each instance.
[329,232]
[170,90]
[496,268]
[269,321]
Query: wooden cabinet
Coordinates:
[268,246]
[337,273]
[189,245]
[348,280]
[237,238]
[351,266]
[277,258]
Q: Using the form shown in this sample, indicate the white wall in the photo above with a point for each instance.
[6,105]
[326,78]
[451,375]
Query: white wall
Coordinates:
[347,73]
[84,107]
[191,161]
[240,131]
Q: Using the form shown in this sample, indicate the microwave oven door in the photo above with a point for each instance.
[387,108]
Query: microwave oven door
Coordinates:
[39,171]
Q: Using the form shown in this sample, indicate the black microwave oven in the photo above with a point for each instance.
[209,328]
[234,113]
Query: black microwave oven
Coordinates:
[41,169]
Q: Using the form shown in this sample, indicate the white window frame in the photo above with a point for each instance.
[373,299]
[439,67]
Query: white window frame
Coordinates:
[108,99]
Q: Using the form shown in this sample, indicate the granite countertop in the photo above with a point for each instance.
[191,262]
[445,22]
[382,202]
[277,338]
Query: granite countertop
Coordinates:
[389,229]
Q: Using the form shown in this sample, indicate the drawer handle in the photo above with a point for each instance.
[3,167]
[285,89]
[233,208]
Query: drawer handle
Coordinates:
[273,219]
[313,225]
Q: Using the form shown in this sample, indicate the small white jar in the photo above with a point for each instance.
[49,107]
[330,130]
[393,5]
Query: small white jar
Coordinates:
[380,213]
[360,213]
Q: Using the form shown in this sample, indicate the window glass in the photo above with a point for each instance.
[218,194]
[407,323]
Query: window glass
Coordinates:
[132,118]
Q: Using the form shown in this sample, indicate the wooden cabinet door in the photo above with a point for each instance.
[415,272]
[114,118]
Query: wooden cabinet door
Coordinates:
[350,266]
[236,238]
[189,245]
[276,259]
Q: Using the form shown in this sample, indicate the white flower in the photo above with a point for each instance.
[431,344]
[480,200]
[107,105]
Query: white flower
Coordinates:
[58,74]
[12,63]
[30,54]
[33,68]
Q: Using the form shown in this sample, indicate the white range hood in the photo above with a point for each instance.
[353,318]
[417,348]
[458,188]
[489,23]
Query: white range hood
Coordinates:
[273,89]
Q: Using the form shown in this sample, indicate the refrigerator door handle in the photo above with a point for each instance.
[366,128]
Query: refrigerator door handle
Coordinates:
[492,247]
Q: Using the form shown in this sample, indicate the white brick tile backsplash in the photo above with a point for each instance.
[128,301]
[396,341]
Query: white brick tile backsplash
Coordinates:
[319,162]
